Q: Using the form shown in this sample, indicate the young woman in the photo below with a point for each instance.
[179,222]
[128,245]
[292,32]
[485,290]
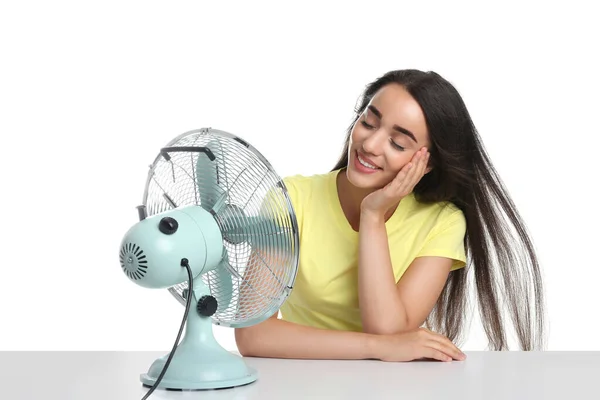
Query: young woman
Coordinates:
[389,237]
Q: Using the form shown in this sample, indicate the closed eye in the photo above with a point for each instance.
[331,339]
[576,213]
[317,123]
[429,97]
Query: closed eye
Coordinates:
[367,125]
[394,144]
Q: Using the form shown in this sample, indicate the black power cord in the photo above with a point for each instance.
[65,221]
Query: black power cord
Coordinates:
[184,263]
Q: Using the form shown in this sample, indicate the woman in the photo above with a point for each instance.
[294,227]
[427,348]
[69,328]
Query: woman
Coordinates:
[389,236]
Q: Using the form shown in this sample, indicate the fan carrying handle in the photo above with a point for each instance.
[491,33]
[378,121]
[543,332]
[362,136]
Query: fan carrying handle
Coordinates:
[142,212]
[196,149]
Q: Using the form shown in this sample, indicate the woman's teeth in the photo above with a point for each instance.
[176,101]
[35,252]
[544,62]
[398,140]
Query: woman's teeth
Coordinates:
[366,164]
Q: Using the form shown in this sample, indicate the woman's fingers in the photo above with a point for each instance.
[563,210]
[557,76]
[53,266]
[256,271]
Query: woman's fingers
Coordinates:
[448,349]
[442,343]
[408,177]
[416,172]
[422,164]
[456,352]
[431,352]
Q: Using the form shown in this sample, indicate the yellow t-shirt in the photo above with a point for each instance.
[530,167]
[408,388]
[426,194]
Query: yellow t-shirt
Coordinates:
[325,292]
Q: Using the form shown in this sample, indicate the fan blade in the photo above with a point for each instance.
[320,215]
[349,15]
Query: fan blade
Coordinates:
[221,285]
[210,177]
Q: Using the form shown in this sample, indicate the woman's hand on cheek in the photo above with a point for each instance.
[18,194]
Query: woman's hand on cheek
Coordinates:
[380,201]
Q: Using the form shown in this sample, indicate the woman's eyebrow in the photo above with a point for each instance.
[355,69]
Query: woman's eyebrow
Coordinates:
[395,127]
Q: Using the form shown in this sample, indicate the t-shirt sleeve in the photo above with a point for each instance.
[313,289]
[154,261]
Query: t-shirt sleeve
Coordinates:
[290,185]
[446,239]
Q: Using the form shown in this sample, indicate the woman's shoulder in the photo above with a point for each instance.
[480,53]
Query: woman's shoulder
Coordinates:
[437,207]
[307,179]
[439,214]
[306,184]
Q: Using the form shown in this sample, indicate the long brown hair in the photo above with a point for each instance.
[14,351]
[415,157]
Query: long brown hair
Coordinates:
[500,253]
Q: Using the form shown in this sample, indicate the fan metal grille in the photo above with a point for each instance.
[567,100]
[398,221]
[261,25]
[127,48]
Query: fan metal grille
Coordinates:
[262,271]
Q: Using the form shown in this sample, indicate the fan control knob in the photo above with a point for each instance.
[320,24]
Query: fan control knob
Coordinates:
[207,305]
[168,225]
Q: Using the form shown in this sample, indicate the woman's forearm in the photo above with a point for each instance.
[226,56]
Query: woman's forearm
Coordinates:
[275,338]
[381,308]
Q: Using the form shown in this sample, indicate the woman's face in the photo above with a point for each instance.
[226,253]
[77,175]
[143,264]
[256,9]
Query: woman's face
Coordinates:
[386,136]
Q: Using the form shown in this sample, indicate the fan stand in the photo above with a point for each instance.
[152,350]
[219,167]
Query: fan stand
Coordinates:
[200,362]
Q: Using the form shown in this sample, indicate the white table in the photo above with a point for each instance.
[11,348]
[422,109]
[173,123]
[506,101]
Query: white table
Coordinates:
[484,375]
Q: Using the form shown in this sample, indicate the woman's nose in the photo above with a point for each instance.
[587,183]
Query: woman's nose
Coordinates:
[373,144]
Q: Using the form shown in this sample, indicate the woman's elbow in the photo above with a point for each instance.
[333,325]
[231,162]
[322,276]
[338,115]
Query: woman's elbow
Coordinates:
[250,340]
[243,342]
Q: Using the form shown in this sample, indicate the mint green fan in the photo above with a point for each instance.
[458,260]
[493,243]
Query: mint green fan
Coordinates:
[215,214]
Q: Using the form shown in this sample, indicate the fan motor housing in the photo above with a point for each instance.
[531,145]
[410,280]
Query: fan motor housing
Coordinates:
[152,249]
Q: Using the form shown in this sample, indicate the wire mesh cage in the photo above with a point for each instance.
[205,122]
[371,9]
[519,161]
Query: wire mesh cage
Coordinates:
[228,177]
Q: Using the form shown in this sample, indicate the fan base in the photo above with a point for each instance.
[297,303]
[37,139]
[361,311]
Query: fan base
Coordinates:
[168,389]
[195,372]
[166,384]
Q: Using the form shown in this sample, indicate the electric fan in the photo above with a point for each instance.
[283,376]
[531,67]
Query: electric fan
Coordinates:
[217,219]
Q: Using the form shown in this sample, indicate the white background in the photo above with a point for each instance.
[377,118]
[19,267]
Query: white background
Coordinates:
[89,94]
